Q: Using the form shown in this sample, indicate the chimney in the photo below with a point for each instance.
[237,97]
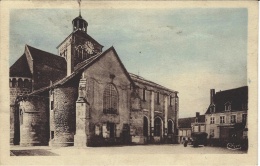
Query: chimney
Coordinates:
[212,94]
[197,114]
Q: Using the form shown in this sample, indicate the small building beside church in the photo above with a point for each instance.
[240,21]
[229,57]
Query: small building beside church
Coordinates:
[187,126]
[84,96]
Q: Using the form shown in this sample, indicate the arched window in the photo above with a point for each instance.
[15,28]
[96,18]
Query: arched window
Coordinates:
[14,82]
[145,127]
[82,54]
[79,52]
[20,83]
[26,83]
[170,127]
[110,99]
[157,126]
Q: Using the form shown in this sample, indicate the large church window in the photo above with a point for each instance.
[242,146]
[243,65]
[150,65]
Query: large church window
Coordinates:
[110,99]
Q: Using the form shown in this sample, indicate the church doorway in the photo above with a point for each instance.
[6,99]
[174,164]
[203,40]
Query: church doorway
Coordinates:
[157,126]
[111,129]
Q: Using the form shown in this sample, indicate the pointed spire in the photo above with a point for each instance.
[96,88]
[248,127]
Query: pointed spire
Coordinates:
[79,23]
[79,1]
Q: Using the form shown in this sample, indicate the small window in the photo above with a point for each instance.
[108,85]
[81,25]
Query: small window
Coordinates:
[170,101]
[196,120]
[212,120]
[52,134]
[13,82]
[52,105]
[228,106]
[212,108]
[233,119]
[222,119]
[158,98]
[184,133]
[20,83]
[196,128]
[180,133]
[144,97]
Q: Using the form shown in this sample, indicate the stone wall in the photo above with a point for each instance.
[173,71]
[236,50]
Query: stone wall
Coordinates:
[16,90]
[136,119]
[33,118]
[64,116]
[166,109]
[103,72]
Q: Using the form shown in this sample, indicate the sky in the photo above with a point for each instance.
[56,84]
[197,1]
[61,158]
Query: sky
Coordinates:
[189,50]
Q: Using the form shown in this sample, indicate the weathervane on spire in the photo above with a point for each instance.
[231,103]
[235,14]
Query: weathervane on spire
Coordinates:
[79,1]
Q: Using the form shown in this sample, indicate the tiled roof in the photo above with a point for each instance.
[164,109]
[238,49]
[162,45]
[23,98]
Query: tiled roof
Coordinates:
[52,60]
[80,33]
[65,79]
[144,81]
[80,68]
[186,122]
[79,65]
[201,119]
[20,68]
[237,97]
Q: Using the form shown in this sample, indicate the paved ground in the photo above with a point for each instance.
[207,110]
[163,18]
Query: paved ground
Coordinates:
[138,149]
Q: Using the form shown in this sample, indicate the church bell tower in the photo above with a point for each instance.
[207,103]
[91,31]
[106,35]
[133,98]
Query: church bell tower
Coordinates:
[79,45]
[80,24]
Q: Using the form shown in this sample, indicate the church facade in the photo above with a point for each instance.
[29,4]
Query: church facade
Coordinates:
[84,96]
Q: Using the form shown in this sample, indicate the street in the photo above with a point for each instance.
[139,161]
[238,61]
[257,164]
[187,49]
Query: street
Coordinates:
[137,149]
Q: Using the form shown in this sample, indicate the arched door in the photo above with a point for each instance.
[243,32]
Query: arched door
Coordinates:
[157,127]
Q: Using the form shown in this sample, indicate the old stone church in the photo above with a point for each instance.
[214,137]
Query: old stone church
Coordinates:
[84,96]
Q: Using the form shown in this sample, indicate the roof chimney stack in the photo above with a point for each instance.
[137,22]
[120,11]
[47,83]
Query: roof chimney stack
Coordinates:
[197,114]
[212,94]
